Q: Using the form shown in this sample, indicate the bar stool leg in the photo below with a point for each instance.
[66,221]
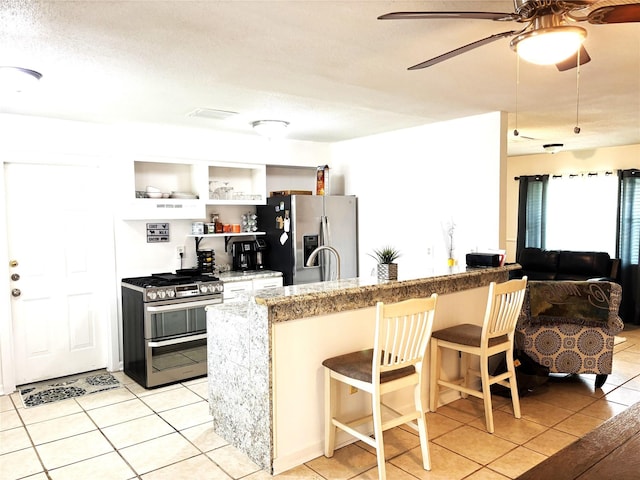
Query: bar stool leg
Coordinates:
[377,431]
[330,400]
[486,393]
[434,373]
[422,428]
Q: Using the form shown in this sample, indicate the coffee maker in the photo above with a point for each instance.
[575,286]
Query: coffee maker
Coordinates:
[244,255]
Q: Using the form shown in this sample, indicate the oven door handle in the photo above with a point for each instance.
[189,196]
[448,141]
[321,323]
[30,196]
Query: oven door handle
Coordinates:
[181,306]
[175,341]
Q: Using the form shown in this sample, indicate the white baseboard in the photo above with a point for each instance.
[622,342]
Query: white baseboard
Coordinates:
[294,459]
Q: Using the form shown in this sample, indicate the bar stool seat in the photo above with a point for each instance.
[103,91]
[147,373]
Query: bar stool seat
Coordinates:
[357,365]
[466,334]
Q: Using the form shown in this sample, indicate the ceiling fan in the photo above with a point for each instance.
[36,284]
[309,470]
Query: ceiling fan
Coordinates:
[549,36]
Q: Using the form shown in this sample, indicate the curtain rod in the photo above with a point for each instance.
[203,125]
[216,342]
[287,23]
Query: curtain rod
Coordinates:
[589,174]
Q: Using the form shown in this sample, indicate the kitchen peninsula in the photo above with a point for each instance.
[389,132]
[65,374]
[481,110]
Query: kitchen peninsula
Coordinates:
[265,354]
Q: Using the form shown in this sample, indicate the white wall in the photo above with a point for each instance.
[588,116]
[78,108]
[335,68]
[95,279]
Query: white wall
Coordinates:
[410,183]
[597,160]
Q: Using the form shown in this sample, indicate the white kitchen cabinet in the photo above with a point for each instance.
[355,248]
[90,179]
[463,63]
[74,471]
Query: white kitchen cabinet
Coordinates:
[172,178]
[237,184]
[234,290]
[234,287]
[243,184]
[169,177]
[269,282]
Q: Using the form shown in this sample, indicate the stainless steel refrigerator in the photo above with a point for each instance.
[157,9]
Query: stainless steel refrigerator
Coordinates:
[296,225]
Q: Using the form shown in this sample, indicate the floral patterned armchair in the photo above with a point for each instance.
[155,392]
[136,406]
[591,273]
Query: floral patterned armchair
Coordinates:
[569,326]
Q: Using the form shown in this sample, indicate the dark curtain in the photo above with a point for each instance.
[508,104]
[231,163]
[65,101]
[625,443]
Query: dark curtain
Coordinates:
[629,244]
[532,200]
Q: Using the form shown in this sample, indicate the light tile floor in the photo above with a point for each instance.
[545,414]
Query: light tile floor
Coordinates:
[133,433]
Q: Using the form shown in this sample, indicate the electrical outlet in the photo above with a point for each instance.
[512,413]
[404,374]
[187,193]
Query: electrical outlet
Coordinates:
[353,390]
[180,251]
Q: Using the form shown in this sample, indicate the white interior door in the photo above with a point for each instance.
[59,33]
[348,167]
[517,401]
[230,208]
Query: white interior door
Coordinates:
[59,313]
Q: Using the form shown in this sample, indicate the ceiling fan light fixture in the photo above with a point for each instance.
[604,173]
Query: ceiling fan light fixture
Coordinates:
[548,46]
[17,79]
[270,128]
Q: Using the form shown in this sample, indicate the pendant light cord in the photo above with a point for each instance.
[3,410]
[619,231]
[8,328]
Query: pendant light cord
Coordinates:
[515,131]
[576,129]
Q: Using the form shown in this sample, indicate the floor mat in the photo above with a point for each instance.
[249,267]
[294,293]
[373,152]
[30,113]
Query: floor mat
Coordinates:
[67,387]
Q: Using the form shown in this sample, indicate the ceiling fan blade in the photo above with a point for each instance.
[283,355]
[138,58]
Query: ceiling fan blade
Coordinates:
[465,48]
[572,61]
[615,14]
[502,17]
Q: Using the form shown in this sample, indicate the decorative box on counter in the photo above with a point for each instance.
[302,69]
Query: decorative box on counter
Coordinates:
[475,260]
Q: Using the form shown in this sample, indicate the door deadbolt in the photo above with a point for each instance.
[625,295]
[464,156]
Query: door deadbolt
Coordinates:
[16,292]
[15,277]
[13,263]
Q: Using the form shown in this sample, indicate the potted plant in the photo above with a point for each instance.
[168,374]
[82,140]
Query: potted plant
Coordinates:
[387,268]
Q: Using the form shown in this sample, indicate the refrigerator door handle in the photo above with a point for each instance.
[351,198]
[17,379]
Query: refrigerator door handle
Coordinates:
[325,239]
[326,232]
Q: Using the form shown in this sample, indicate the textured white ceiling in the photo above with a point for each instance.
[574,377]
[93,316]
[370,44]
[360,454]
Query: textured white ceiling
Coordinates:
[330,68]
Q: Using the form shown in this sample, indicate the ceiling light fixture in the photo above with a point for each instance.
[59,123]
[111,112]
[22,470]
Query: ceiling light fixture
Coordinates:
[270,128]
[553,147]
[549,42]
[17,79]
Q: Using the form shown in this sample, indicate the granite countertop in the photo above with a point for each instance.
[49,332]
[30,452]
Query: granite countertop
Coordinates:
[308,300]
[232,276]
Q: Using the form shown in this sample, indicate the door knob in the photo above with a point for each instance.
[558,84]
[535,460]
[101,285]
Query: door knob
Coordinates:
[15,277]
[13,263]
[16,292]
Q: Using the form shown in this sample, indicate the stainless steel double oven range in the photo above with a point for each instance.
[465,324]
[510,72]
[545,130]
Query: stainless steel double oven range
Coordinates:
[164,326]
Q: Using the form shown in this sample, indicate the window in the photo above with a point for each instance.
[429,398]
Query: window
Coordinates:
[630,216]
[582,213]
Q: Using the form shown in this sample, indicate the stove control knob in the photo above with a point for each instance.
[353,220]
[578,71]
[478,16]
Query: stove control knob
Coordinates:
[204,288]
[220,288]
[162,293]
[171,293]
[151,295]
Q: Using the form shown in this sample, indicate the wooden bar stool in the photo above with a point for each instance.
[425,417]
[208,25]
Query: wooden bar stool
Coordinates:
[395,362]
[496,335]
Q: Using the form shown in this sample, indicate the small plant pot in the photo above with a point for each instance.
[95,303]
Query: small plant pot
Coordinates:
[387,271]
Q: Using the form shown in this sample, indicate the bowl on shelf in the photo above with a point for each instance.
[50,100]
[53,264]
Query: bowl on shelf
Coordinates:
[154,194]
[151,189]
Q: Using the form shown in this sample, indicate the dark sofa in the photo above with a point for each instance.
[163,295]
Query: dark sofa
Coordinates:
[538,264]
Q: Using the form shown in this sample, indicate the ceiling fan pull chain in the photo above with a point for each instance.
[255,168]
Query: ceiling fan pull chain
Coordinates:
[576,129]
[515,131]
